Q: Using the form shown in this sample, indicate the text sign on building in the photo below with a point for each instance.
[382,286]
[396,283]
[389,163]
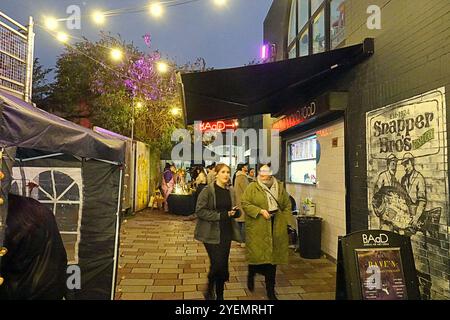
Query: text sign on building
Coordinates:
[219,126]
[376,265]
[322,105]
[300,115]
[407,183]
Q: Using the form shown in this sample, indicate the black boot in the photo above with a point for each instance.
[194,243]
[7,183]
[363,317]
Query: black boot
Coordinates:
[210,293]
[270,283]
[251,280]
[220,286]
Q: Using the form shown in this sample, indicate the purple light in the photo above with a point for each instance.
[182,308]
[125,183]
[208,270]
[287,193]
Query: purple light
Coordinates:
[264,51]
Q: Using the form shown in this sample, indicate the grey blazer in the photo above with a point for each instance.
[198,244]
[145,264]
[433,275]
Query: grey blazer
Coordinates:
[208,222]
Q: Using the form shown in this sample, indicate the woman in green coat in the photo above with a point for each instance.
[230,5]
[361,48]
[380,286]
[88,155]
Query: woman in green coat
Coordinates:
[267,214]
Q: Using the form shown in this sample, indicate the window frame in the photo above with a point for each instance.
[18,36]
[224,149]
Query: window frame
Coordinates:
[326,7]
[289,161]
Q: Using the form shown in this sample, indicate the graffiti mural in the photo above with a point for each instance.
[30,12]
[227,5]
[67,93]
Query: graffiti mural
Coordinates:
[408,183]
[142,176]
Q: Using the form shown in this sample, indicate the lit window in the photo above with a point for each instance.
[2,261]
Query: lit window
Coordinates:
[302,160]
[315,4]
[303,14]
[319,33]
[293,52]
[337,24]
[304,44]
[292,24]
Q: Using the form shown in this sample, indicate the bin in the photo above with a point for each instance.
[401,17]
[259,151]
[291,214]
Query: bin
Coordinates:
[309,236]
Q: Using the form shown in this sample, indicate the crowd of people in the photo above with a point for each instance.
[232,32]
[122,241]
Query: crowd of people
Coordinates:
[252,210]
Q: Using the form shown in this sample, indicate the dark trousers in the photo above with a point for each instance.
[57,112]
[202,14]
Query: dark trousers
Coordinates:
[269,272]
[218,272]
[218,256]
[242,230]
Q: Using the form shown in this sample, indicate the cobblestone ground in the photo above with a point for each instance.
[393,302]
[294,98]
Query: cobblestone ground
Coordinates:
[159,259]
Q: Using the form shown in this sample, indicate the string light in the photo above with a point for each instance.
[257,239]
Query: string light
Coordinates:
[62,37]
[51,23]
[220,3]
[156,9]
[98,17]
[116,54]
[175,111]
[162,67]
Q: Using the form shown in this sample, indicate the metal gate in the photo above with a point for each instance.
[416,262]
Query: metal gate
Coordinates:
[16,57]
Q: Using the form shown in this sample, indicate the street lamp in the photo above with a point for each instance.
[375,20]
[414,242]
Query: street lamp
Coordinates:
[136,105]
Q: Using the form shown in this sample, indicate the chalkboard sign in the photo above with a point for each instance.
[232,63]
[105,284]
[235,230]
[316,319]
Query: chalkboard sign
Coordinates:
[376,265]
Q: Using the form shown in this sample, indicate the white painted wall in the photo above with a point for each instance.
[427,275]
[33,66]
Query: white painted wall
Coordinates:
[329,193]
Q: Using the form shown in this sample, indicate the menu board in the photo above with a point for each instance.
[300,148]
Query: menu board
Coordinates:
[381,274]
[304,149]
[376,265]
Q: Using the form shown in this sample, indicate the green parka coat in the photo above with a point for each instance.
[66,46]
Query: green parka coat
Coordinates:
[262,245]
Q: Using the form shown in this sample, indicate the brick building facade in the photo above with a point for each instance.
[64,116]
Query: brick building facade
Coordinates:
[396,111]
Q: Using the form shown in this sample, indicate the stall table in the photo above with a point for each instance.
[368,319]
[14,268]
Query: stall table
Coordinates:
[181,204]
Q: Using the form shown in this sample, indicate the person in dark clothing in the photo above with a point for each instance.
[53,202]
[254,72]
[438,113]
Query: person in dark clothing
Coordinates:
[35,265]
[216,228]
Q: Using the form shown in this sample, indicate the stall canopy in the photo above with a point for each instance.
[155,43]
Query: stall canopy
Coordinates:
[263,88]
[78,175]
[25,126]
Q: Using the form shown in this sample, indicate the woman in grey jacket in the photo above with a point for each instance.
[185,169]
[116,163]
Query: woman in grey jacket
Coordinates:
[216,228]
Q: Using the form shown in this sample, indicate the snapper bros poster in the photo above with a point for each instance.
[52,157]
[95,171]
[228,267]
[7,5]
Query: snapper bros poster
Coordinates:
[407,182]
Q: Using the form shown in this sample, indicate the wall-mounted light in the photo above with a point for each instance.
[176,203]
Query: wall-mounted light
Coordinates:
[268,52]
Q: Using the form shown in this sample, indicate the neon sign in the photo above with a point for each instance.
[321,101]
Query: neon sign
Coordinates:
[299,116]
[219,126]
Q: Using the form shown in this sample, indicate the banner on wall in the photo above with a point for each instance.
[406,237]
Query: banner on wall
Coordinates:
[408,183]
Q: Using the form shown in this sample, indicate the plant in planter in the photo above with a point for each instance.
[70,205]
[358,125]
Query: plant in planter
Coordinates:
[309,207]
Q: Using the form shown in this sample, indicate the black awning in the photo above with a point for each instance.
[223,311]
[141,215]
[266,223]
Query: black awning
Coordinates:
[23,125]
[263,88]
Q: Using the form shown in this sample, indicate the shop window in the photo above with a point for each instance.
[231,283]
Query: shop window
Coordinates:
[315,4]
[304,44]
[337,24]
[302,160]
[293,23]
[319,33]
[303,14]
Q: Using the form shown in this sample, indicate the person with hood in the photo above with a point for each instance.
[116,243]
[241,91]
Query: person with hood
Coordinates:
[267,215]
[240,184]
[216,228]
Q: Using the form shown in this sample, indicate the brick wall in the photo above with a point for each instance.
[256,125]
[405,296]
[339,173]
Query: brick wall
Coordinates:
[412,56]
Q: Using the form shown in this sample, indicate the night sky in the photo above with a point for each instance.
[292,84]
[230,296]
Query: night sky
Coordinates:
[225,37]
